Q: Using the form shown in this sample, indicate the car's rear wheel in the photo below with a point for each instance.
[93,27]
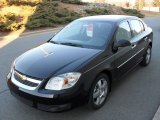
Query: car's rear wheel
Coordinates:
[147,57]
[99,92]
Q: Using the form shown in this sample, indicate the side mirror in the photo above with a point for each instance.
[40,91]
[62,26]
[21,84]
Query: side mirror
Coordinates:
[121,43]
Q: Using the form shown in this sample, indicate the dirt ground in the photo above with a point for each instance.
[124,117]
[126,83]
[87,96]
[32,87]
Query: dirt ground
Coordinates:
[73,7]
[150,14]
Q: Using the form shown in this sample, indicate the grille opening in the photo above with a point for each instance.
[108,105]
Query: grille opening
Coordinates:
[18,77]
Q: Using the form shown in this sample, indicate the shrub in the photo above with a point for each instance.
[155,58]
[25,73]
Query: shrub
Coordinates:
[133,12]
[32,2]
[34,23]
[22,2]
[78,2]
[9,22]
[48,15]
[97,11]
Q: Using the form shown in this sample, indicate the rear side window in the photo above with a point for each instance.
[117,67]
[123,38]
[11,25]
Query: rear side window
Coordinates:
[136,27]
[142,26]
[123,32]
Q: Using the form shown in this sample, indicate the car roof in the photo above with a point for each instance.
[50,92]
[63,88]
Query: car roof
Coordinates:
[111,18]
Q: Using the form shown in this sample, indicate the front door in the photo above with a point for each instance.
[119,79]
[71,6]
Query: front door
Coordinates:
[124,55]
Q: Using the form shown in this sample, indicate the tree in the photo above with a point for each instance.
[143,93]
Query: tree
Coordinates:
[156,3]
[127,4]
[140,4]
[137,4]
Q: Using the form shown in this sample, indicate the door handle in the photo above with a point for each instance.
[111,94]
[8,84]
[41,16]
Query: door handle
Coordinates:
[133,46]
[145,38]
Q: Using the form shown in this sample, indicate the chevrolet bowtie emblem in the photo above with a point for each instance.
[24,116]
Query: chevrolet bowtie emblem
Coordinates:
[23,77]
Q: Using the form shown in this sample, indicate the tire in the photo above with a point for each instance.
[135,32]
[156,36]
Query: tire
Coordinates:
[147,57]
[99,92]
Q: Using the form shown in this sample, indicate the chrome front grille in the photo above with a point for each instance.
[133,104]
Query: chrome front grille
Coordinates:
[24,81]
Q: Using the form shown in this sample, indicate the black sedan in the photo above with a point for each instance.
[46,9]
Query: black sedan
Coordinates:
[80,62]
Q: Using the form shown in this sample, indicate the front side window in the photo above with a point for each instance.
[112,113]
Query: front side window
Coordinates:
[136,27]
[85,33]
[123,32]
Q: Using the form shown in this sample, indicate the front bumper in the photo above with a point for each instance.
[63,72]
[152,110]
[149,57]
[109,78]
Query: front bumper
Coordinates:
[44,100]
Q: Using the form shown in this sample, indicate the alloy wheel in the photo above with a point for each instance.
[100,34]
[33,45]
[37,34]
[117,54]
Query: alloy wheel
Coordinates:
[148,55]
[100,92]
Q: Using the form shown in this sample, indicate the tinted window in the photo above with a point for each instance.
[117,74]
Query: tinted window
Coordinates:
[136,27]
[92,34]
[123,32]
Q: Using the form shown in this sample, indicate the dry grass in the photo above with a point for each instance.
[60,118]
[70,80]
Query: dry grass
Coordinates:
[73,7]
[23,11]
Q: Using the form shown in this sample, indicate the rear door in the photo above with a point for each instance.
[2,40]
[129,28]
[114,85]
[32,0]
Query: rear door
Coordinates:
[138,40]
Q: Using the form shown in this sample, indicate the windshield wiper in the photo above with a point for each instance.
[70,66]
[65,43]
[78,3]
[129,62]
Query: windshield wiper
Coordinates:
[71,44]
[54,42]
[66,43]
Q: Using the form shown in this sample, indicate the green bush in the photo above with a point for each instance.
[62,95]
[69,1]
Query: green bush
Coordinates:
[48,15]
[31,2]
[97,11]
[133,12]
[103,11]
[22,2]
[78,2]
[10,22]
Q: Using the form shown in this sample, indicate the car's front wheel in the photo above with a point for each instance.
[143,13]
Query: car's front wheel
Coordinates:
[99,92]
[147,57]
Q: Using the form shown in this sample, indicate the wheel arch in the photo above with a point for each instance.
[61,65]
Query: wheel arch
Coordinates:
[150,44]
[106,72]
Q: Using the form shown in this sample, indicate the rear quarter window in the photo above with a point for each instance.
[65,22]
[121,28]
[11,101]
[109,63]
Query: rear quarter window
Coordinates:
[142,26]
[136,27]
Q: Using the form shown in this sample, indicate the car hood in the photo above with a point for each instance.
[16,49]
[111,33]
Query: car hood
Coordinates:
[49,59]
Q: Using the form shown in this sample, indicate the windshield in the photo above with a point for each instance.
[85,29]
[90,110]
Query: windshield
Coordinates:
[89,34]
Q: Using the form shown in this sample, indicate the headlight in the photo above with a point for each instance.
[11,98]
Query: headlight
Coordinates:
[11,70]
[63,81]
[12,66]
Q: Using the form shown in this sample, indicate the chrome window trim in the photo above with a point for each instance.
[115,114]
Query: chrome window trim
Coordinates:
[111,57]
[130,58]
[98,64]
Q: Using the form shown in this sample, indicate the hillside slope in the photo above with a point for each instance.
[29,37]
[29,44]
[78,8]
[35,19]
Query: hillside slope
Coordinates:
[32,14]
